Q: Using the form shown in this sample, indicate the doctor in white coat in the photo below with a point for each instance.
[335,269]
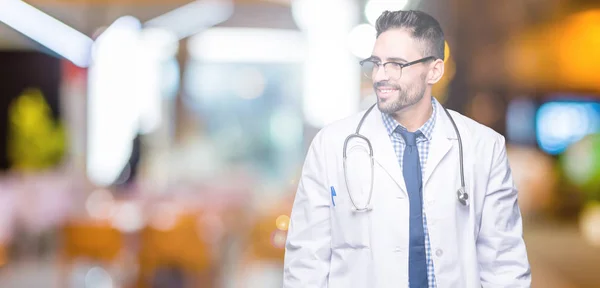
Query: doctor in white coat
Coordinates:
[422,224]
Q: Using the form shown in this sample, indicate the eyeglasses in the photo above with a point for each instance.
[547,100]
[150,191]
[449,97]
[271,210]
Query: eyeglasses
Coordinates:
[393,70]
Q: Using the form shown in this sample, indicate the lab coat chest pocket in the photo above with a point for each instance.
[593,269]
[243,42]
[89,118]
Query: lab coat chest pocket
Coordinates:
[349,229]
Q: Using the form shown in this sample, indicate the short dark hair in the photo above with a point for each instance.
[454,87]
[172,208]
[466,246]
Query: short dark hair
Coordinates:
[421,25]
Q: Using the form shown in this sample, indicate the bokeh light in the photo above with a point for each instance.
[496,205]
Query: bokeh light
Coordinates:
[561,123]
[164,216]
[590,223]
[278,239]
[374,8]
[581,165]
[129,217]
[282,222]
[577,49]
[100,204]
[361,40]
[97,277]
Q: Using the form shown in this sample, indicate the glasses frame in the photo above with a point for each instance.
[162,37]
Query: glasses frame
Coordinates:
[401,65]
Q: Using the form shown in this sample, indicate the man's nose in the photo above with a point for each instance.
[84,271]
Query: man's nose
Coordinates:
[380,75]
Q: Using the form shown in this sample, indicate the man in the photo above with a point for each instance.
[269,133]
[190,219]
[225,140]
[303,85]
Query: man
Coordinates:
[418,231]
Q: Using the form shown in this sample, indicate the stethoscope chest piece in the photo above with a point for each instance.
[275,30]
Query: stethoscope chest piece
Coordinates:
[462,196]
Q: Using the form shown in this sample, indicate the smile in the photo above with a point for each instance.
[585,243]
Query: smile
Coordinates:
[384,91]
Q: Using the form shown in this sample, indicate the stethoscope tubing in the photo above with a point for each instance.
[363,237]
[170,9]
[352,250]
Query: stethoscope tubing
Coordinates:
[462,195]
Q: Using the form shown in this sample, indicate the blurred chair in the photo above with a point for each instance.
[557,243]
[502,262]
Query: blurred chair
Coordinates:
[268,232]
[178,251]
[266,241]
[3,254]
[95,241]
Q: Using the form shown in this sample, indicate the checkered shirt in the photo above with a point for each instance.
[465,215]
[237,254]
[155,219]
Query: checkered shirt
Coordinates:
[423,142]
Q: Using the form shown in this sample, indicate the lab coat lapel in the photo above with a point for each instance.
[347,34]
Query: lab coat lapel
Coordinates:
[383,151]
[443,132]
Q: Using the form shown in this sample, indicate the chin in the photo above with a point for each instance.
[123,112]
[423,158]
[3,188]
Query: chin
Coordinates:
[388,107]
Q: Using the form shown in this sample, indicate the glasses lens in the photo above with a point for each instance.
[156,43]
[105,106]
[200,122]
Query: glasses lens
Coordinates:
[393,70]
[368,69]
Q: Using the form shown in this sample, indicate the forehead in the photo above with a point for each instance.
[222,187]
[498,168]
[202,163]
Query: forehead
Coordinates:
[397,43]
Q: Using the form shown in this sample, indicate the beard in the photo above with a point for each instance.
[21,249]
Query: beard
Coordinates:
[405,97]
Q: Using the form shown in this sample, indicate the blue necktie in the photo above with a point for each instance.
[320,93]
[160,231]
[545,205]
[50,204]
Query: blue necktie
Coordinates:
[417,269]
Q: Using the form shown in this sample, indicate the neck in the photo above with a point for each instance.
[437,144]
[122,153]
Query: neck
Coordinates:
[414,116]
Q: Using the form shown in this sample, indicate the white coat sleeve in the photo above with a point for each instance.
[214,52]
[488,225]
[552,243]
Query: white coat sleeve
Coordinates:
[501,249]
[308,244]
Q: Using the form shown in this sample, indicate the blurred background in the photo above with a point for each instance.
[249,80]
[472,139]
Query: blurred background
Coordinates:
[149,143]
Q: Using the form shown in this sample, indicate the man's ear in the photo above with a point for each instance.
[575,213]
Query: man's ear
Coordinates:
[436,71]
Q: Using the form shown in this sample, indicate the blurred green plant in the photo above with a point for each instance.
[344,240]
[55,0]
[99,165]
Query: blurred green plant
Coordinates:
[35,140]
[581,166]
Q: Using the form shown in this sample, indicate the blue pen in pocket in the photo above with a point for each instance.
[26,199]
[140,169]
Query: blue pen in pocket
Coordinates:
[333,194]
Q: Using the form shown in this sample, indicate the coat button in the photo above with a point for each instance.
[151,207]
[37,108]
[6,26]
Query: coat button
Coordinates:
[439,252]
[431,202]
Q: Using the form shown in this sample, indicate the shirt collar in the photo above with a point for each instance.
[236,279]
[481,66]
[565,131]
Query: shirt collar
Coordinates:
[427,129]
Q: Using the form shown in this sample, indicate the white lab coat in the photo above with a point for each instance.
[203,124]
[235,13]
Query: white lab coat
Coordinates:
[473,246]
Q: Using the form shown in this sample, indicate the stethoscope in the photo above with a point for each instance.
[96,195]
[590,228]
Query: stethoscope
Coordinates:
[461,194]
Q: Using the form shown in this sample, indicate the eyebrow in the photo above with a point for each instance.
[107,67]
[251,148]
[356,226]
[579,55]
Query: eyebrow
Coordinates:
[396,59]
[392,59]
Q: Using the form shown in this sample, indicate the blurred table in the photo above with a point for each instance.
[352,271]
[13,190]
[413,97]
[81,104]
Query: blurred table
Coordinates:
[560,257]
